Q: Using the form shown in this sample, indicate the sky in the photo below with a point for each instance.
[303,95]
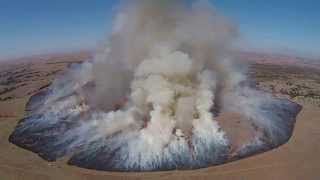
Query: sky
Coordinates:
[39,26]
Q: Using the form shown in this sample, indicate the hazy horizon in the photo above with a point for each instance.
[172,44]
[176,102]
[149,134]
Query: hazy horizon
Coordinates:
[39,27]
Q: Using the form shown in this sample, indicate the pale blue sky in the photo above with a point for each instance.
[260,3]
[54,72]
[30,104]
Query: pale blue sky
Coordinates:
[37,26]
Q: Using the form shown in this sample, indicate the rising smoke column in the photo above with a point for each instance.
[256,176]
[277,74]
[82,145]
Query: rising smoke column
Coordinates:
[145,102]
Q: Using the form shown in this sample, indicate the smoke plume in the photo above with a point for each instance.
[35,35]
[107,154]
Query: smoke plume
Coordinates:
[149,98]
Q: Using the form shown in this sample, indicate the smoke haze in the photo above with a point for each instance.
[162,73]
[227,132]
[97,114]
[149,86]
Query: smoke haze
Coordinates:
[149,98]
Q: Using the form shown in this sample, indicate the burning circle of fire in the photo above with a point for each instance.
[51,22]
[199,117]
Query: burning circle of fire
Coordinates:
[171,64]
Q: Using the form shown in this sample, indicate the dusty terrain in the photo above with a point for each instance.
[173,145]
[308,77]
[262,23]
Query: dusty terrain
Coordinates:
[298,159]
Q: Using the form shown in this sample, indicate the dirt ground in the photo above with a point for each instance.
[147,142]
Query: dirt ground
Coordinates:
[298,159]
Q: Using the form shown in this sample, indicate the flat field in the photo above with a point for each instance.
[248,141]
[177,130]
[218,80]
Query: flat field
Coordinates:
[296,160]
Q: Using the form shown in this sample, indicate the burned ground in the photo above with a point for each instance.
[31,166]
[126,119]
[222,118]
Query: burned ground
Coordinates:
[297,157]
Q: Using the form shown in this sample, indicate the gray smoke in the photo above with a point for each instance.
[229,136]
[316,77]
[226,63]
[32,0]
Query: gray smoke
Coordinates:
[146,100]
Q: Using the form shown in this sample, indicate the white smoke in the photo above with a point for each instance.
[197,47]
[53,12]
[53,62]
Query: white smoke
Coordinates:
[165,66]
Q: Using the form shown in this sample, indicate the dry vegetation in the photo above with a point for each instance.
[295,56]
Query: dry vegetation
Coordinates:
[23,77]
[298,159]
[301,84]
